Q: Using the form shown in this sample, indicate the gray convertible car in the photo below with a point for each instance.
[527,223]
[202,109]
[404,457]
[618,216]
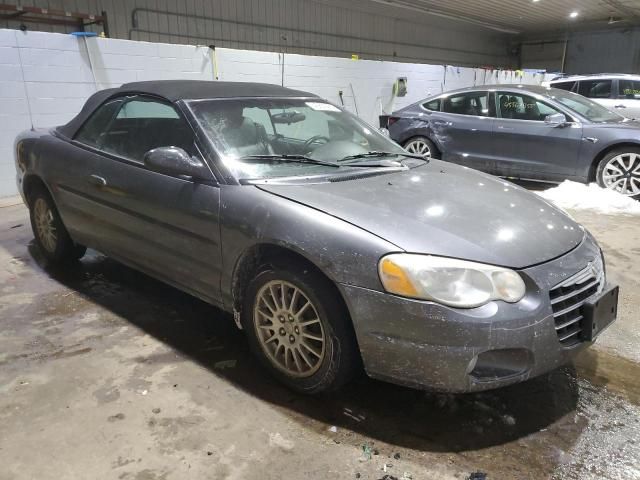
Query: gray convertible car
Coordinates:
[332,246]
[526,132]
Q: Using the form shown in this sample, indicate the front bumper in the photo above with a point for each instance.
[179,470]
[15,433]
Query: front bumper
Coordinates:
[431,346]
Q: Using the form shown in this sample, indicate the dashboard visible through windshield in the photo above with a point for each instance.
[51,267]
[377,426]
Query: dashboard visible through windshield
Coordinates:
[265,138]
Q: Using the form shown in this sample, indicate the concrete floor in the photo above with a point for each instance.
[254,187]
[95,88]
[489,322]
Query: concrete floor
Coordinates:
[108,374]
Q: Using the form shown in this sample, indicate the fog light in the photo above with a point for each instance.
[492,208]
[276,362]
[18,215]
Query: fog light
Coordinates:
[500,364]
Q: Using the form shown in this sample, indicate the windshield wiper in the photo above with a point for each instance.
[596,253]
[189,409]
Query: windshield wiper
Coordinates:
[381,154]
[287,159]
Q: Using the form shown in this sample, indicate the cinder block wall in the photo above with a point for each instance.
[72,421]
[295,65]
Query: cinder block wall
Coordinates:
[46,77]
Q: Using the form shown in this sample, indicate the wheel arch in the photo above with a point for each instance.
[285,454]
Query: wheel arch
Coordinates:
[610,148]
[423,135]
[30,184]
[261,255]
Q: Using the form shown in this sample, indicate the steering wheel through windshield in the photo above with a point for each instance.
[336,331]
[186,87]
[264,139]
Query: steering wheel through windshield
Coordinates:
[315,139]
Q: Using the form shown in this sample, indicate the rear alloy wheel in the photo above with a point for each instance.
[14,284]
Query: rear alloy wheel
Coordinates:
[620,171]
[421,146]
[50,234]
[299,329]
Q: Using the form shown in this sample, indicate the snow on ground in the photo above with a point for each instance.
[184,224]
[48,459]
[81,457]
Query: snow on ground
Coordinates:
[577,196]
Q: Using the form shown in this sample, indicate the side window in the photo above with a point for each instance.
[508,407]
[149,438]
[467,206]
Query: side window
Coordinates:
[143,124]
[568,86]
[518,106]
[92,132]
[433,105]
[629,88]
[472,103]
[259,116]
[595,88]
[147,109]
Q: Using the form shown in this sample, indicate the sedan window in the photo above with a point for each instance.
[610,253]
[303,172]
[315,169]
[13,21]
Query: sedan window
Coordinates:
[595,88]
[433,105]
[471,103]
[143,124]
[92,132]
[629,88]
[519,106]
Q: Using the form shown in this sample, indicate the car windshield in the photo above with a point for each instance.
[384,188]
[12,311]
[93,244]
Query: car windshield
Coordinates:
[590,110]
[261,138]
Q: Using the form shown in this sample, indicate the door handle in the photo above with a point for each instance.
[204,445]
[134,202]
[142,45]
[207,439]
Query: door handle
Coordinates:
[97,181]
[441,122]
[620,106]
[502,127]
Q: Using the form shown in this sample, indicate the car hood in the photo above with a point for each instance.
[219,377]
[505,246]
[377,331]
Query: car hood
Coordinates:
[623,124]
[448,210]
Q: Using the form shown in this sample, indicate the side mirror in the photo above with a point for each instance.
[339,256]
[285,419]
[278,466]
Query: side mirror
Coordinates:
[556,119]
[174,161]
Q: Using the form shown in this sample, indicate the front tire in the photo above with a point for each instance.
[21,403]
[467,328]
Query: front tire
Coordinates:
[421,146]
[299,329]
[50,234]
[619,171]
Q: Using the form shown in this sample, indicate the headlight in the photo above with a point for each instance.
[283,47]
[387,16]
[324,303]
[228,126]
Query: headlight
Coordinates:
[452,282]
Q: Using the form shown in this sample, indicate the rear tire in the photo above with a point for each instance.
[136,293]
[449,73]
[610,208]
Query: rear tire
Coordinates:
[50,234]
[619,171]
[422,146]
[310,349]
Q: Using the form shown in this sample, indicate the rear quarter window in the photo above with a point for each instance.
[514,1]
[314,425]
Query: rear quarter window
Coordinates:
[433,105]
[92,132]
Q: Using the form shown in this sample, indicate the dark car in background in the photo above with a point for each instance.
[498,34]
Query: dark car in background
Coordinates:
[331,245]
[525,132]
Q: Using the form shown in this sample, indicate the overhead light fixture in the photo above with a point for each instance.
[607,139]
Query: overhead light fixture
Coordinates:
[573,14]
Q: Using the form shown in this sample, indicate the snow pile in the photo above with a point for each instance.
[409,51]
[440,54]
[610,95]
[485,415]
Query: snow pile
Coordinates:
[576,196]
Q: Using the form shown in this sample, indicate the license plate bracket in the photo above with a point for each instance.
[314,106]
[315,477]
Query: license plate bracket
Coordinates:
[599,313]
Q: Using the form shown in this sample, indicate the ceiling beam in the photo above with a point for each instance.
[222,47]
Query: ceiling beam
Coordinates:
[439,12]
[629,12]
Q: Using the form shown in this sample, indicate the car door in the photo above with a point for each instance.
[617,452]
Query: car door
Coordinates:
[628,101]
[600,90]
[162,224]
[463,129]
[73,191]
[526,146]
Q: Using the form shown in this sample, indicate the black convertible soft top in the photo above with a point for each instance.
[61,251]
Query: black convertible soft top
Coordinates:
[174,90]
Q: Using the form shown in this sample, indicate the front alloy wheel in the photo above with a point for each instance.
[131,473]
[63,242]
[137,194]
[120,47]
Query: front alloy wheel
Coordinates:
[299,328]
[289,329]
[620,171]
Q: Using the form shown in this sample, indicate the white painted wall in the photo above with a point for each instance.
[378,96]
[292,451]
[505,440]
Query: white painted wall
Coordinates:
[46,77]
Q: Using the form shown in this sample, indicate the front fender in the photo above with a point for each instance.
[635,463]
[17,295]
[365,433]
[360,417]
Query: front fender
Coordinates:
[345,253]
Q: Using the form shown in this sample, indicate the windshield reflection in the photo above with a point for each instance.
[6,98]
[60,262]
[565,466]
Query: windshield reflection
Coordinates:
[263,129]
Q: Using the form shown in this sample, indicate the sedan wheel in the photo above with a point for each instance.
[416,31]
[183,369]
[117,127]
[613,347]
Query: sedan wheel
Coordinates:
[421,146]
[299,328]
[44,225]
[289,329]
[50,233]
[620,171]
